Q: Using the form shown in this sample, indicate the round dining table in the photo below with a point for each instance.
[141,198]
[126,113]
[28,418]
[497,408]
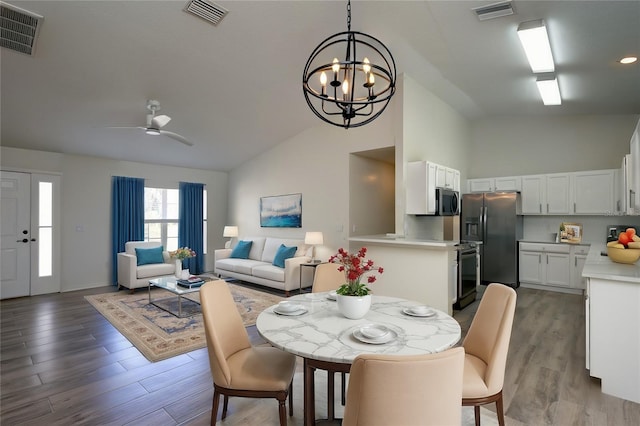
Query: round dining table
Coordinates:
[329,341]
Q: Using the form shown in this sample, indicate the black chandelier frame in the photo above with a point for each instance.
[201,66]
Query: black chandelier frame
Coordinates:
[365,98]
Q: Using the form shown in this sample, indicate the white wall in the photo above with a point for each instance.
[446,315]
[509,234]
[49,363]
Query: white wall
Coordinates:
[314,163]
[86,206]
[508,146]
[371,196]
[431,131]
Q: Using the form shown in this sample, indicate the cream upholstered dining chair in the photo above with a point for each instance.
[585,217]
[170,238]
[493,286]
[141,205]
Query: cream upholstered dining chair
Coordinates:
[327,278]
[239,369]
[486,346]
[405,390]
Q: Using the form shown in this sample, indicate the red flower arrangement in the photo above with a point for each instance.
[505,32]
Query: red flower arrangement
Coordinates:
[354,267]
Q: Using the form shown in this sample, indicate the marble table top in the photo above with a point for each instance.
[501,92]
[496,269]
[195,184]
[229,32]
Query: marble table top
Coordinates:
[324,334]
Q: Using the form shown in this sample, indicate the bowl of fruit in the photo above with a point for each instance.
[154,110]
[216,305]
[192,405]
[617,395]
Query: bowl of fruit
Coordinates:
[626,249]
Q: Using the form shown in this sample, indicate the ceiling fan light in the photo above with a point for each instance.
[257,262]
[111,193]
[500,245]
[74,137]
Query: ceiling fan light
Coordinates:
[152,132]
[628,60]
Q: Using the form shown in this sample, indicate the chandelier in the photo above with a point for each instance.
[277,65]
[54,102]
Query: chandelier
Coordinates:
[354,90]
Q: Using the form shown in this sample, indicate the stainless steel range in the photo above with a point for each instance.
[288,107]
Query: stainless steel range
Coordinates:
[468,273]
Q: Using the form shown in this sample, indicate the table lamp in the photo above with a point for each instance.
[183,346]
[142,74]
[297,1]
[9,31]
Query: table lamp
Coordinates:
[313,238]
[229,232]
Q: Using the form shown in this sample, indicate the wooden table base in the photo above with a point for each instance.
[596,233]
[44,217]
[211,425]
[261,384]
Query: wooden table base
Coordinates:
[310,366]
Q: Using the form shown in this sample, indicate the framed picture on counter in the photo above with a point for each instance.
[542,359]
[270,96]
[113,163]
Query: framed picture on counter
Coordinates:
[570,232]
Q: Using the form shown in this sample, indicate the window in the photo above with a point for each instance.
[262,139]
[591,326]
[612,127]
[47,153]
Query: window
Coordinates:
[45,229]
[161,210]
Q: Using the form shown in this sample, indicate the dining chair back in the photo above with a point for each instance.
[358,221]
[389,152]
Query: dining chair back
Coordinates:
[327,278]
[405,390]
[238,368]
[486,346]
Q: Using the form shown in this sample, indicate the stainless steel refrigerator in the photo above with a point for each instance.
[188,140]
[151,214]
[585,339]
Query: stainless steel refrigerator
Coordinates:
[495,220]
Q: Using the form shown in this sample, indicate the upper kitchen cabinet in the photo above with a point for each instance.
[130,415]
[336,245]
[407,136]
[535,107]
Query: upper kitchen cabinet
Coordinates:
[421,188]
[447,177]
[546,194]
[593,192]
[533,194]
[509,183]
[558,193]
[634,175]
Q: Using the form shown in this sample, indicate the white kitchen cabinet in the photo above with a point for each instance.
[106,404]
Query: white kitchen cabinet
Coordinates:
[533,194]
[421,188]
[634,175]
[508,183]
[543,265]
[456,180]
[558,193]
[576,273]
[593,192]
[446,177]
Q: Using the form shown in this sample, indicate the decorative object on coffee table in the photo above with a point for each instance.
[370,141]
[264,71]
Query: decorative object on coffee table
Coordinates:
[179,255]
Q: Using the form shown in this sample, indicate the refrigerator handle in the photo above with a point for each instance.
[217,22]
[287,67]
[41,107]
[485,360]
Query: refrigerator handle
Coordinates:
[484,223]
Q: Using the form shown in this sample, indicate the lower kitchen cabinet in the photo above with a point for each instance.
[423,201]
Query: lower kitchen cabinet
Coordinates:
[551,266]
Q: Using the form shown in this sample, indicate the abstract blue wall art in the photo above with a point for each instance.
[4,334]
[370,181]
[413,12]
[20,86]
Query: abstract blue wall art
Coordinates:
[281,211]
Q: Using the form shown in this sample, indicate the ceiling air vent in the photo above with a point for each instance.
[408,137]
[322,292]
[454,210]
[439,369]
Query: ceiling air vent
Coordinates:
[206,10]
[19,28]
[495,10]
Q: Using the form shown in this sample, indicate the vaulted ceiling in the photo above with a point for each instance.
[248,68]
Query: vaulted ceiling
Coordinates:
[235,89]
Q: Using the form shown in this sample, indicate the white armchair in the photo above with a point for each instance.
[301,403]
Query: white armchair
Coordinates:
[131,275]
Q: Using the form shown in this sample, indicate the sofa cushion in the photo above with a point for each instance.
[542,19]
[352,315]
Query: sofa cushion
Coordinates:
[283,253]
[268,272]
[241,266]
[155,270]
[130,246]
[146,256]
[256,248]
[241,250]
[272,245]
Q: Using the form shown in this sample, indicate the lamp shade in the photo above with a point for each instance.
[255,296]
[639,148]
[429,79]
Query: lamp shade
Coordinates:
[230,231]
[313,238]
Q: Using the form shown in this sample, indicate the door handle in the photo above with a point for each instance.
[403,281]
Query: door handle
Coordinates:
[33,239]
[24,240]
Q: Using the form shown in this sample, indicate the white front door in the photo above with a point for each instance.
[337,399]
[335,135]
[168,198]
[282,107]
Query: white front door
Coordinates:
[15,234]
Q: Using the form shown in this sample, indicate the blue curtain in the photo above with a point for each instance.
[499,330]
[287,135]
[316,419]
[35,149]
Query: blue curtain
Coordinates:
[190,225]
[127,216]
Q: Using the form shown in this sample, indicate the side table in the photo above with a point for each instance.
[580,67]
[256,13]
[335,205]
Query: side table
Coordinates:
[311,265]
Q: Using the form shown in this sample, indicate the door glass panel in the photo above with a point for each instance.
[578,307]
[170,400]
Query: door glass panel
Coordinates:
[45,204]
[45,254]
[45,229]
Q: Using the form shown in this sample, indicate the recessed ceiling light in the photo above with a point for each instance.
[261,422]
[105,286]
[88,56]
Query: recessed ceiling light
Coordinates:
[628,60]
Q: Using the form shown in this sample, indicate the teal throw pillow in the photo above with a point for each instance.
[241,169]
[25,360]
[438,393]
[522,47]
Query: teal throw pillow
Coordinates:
[283,254]
[146,256]
[241,250]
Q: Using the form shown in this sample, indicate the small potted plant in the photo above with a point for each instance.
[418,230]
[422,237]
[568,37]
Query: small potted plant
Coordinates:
[353,297]
[179,255]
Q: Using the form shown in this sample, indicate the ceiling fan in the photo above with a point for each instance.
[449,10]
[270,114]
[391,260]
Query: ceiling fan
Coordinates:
[155,123]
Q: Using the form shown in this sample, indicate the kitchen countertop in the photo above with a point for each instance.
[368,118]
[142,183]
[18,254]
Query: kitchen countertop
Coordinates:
[394,240]
[598,266]
[553,242]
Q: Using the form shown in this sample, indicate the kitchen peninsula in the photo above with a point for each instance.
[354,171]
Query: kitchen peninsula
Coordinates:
[612,315]
[414,269]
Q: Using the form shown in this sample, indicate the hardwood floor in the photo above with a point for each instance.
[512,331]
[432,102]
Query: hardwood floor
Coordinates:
[62,363]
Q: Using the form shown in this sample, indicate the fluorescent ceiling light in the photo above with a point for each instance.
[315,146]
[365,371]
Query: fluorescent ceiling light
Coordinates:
[549,89]
[535,41]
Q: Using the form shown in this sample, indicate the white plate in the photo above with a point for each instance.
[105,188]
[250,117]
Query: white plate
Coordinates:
[300,311]
[332,295]
[374,331]
[385,339]
[426,314]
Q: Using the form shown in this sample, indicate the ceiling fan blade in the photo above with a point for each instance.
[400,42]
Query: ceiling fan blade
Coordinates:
[159,121]
[177,137]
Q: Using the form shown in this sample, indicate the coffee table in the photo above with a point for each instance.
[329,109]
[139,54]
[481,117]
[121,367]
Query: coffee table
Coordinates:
[170,284]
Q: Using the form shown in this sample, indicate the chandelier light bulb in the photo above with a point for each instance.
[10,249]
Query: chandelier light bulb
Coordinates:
[336,65]
[366,67]
[345,88]
[323,79]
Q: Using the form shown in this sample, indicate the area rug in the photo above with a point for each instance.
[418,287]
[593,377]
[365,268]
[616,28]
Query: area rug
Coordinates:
[159,334]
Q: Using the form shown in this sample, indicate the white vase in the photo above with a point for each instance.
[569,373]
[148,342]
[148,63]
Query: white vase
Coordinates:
[178,268]
[353,307]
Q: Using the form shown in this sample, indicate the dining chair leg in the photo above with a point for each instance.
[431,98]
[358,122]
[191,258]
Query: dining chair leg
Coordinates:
[214,407]
[476,411]
[291,398]
[225,404]
[330,395]
[282,411]
[500,410]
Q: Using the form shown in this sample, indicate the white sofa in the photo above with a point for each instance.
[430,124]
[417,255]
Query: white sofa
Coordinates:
[258,268]
[131,275]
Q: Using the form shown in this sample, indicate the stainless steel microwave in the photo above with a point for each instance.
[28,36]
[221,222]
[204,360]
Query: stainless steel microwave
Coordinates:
[447,202]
